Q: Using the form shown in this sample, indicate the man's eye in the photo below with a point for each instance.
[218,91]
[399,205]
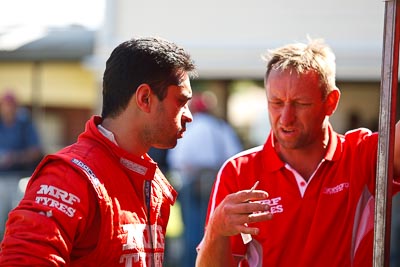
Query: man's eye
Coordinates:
[300,104]
[275,103]
[182,102]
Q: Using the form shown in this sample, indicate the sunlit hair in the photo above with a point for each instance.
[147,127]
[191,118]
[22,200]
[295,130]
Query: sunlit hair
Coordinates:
[302,58]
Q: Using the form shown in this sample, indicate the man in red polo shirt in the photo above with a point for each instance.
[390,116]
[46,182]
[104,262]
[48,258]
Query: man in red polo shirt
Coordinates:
[314,203]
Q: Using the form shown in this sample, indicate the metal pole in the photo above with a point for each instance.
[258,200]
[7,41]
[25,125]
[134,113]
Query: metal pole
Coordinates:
[384,173]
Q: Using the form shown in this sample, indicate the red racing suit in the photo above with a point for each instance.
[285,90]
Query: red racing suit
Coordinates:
[327,221]
[90,204]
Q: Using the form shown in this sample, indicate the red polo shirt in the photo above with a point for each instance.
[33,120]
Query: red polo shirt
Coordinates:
[327,221]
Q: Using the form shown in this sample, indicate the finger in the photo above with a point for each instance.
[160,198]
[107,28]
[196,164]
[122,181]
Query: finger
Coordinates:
[242,219]
[250,207]
[254,217]
[259,217]
[248,195]
[248,230]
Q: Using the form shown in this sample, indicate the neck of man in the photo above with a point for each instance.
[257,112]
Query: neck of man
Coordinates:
[304,160]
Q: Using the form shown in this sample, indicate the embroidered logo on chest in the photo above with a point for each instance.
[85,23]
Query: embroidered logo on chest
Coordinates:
[336,189]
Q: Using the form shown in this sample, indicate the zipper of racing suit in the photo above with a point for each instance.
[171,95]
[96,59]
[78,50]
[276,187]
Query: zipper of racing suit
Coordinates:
[147,190]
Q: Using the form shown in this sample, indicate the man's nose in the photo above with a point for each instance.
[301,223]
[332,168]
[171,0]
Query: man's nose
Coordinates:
[187,114]
[287,114]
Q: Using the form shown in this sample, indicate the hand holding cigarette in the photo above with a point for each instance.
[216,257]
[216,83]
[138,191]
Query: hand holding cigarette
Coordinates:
[236,211]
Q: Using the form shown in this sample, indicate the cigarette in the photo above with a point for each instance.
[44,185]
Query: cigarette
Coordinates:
[254,186]
[247,237]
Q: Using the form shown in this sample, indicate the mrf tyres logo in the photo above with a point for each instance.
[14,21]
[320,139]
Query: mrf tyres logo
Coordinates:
[54,197]
[274,204]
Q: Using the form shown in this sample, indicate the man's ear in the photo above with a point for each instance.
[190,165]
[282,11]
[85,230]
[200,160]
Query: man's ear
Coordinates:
[332,101]
[143,97]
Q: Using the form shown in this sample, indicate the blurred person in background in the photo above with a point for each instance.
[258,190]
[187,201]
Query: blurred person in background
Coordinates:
[195,161]
[20,150]
[103,201]
[20,147]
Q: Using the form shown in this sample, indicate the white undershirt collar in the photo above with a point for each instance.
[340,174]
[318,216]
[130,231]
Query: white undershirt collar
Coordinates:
[108,134]
[301,182]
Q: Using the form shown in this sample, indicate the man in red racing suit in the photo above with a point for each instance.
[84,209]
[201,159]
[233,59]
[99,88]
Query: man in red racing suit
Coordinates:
[66,199]
[103,201]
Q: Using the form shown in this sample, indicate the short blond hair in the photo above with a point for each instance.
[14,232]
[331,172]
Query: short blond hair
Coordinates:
[314,56]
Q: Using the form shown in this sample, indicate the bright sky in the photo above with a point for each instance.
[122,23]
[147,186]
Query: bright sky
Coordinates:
[51,12]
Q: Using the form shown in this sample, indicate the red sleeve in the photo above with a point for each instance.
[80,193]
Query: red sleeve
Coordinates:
[51,220]
[368,153]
